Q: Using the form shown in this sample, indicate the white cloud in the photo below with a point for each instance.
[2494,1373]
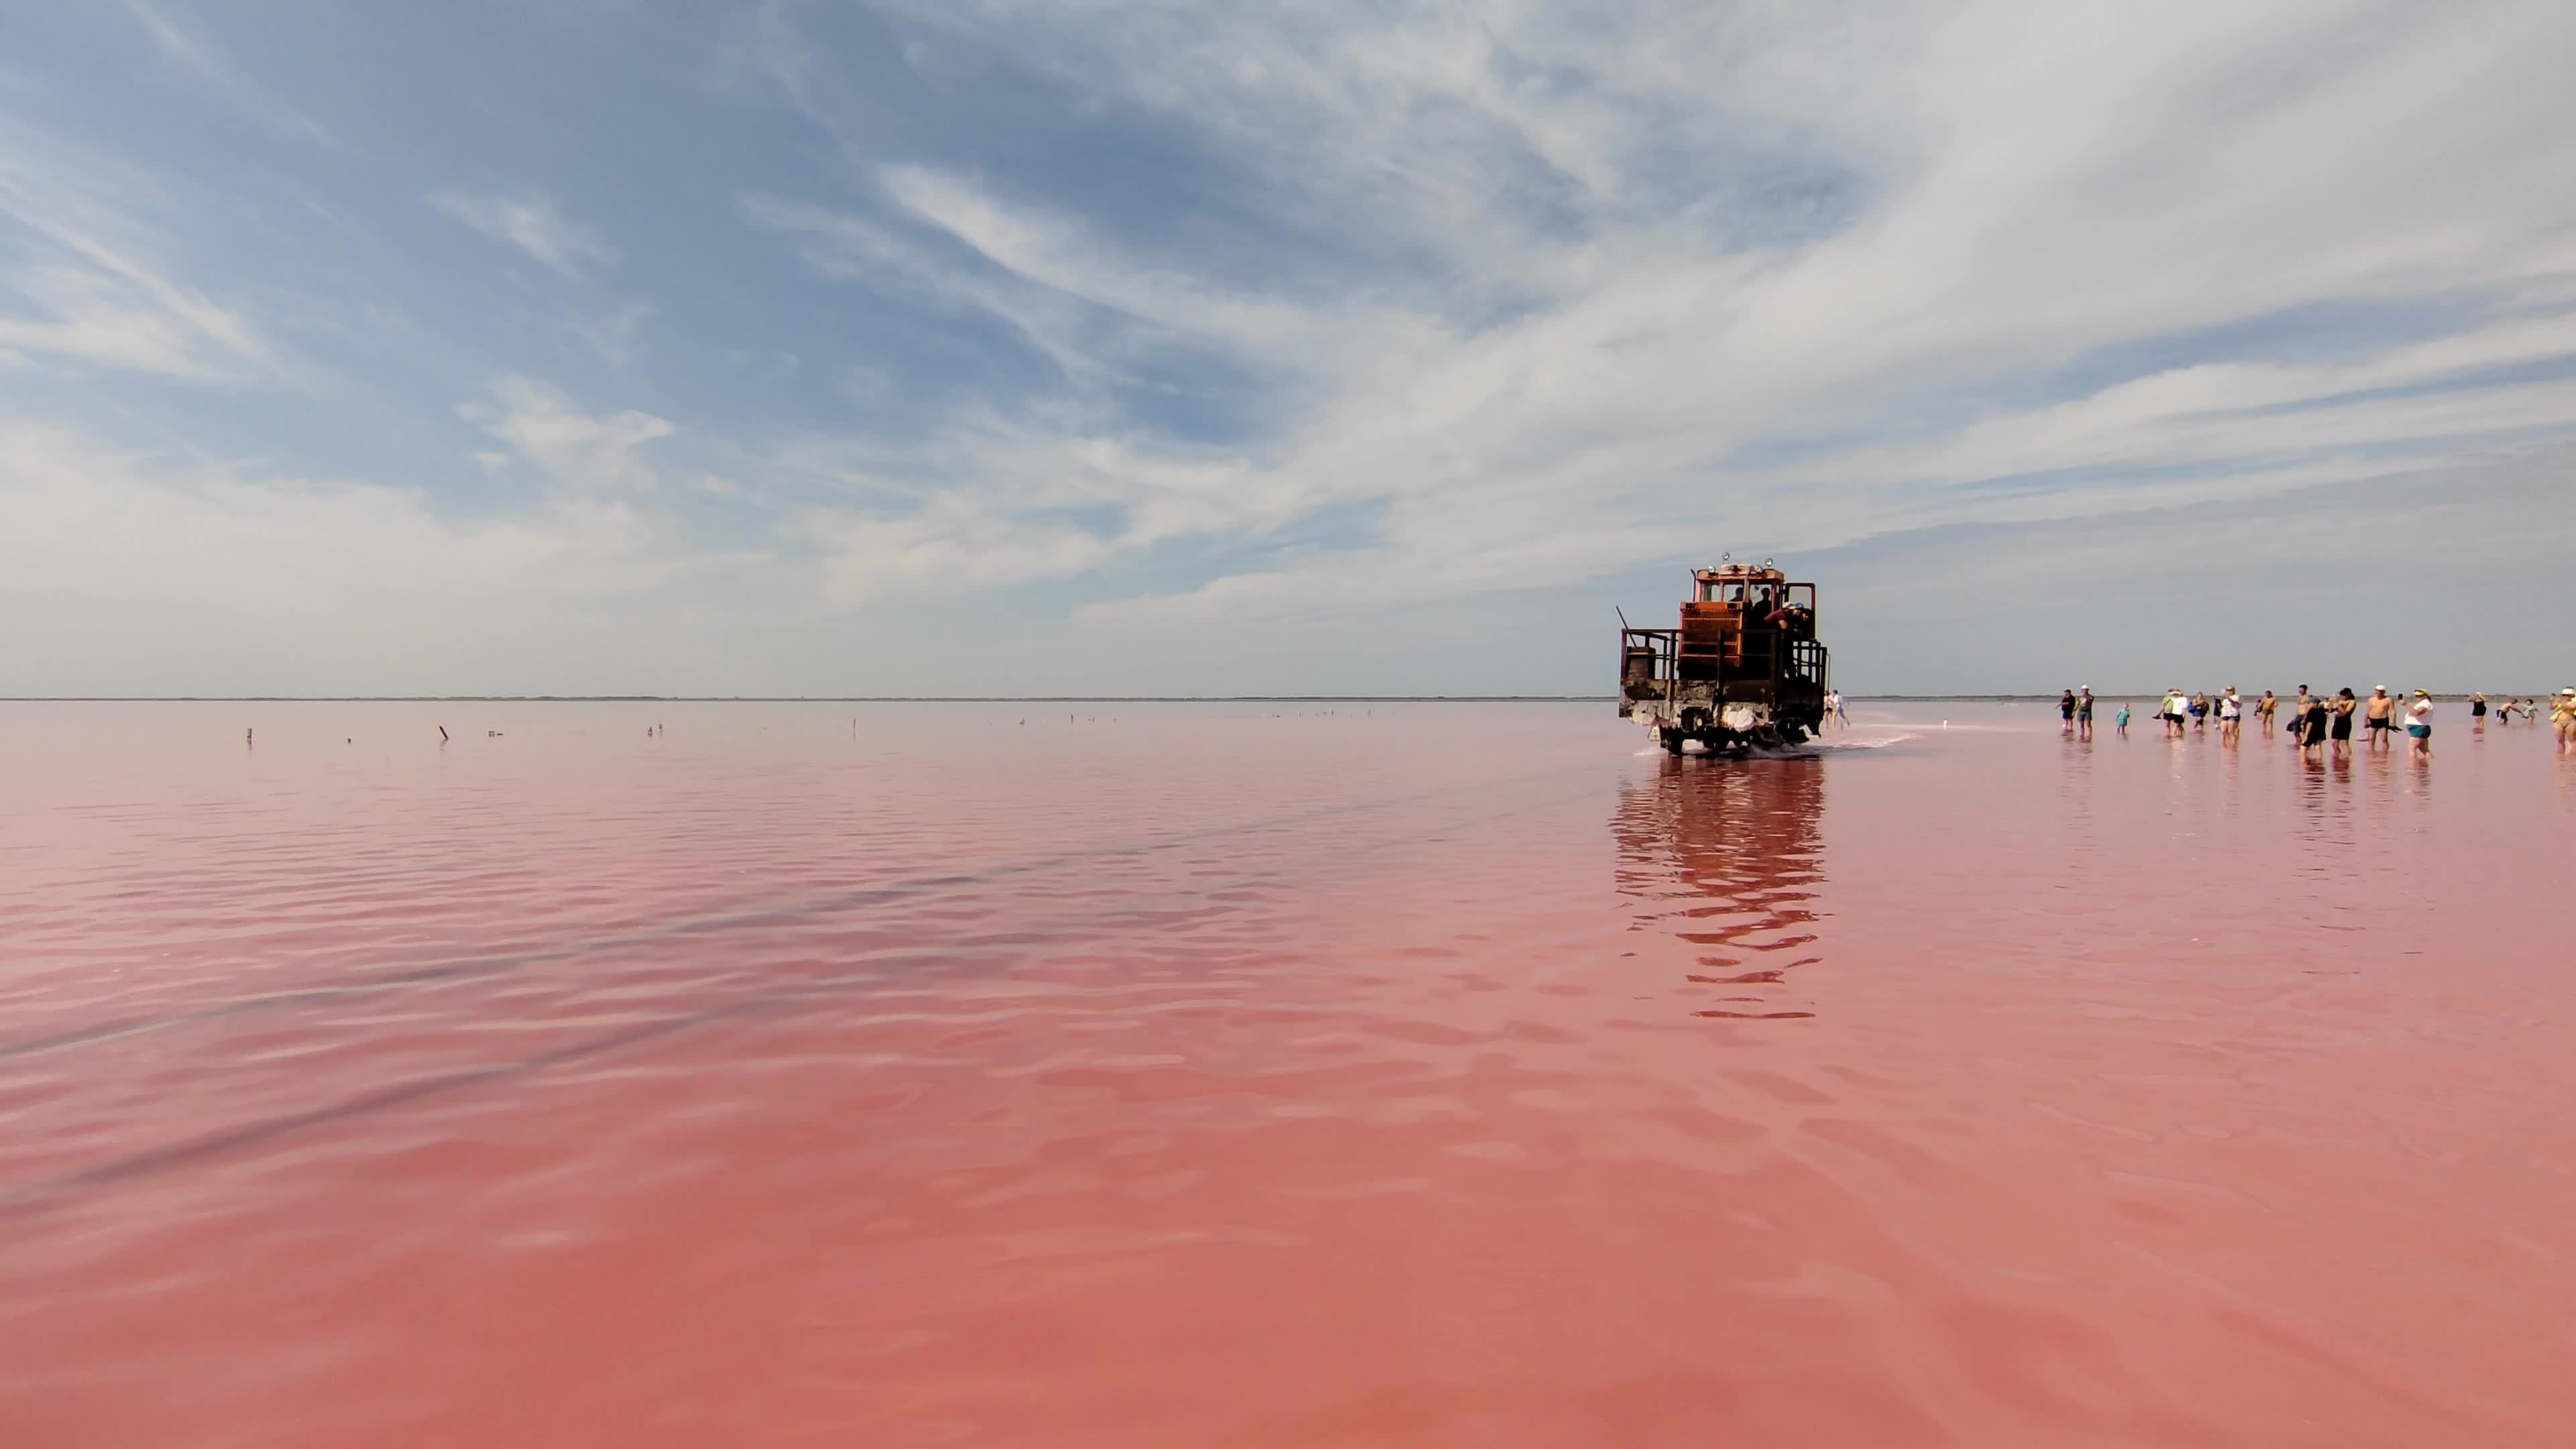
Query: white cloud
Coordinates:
[531,222]
[186,48]
[228,578]
[590,455]
[85,286]
[2013,190]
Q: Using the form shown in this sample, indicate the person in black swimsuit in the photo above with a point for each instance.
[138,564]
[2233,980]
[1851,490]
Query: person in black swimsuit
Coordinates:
[2341,713]
[2312,722]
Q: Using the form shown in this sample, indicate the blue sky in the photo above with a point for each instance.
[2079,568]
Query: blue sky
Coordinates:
[1033,346]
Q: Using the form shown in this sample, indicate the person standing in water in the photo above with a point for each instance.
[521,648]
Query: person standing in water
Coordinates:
[2231,715]
[2120,721]
[2340,714]
[2419,726]
[2172,714]
[2377,714]
[2562,718]
[2478,713]
[2299,714]
[2312,724]
[2066,713]
[2084,712]
[2265,708]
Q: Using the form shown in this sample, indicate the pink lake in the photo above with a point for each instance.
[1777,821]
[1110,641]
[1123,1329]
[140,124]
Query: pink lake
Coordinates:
[1273,1075]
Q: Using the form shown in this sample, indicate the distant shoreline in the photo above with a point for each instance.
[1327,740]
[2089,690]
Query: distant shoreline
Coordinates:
[2144,694]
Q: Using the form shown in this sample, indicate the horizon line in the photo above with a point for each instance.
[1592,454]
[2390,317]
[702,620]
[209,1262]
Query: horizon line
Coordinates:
[1988,696]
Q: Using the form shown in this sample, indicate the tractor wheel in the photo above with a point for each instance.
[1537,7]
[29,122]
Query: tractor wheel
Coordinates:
[1673,741]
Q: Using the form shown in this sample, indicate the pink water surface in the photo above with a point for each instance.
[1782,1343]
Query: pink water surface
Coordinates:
[1268,1075]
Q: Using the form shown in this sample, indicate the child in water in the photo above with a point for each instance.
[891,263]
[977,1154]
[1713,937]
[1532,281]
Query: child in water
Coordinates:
[2122,719]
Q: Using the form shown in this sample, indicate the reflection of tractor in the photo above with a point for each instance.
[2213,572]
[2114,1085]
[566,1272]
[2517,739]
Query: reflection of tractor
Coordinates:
[1744,668]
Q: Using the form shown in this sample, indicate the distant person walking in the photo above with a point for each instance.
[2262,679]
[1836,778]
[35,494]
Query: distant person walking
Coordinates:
[2084,712]
[2419,726]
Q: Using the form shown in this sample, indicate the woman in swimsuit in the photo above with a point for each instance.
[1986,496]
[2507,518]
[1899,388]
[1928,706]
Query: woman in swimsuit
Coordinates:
[2341,712]
[2419,726]
[2562,717]
[2478,712]
[2263,709]
[2312,725]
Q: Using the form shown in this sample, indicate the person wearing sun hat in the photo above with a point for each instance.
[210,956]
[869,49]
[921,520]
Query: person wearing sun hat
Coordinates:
[2419,726]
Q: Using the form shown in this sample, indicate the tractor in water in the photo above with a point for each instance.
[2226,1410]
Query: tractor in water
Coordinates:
[1743,670]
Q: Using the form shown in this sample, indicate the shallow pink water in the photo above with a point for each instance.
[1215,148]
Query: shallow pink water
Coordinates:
[1263,1075]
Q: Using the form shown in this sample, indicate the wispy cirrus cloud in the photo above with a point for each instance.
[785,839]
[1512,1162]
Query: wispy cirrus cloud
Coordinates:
[532,222]
[79,284]
[1280,335]
[1611,283]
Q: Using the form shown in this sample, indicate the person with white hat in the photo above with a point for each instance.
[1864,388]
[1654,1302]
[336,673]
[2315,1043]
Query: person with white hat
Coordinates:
[2562,717]
[2419,726]
[2378,716]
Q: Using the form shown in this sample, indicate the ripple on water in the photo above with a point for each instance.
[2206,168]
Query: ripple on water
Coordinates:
[1268,1076]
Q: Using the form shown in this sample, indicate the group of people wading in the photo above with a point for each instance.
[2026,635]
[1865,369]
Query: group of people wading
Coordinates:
[2317,722]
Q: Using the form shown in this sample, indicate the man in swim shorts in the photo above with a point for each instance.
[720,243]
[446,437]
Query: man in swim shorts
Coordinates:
[2378,715]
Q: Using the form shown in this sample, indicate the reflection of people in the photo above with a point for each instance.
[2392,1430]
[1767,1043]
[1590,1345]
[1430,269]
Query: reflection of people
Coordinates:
[1722,868]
